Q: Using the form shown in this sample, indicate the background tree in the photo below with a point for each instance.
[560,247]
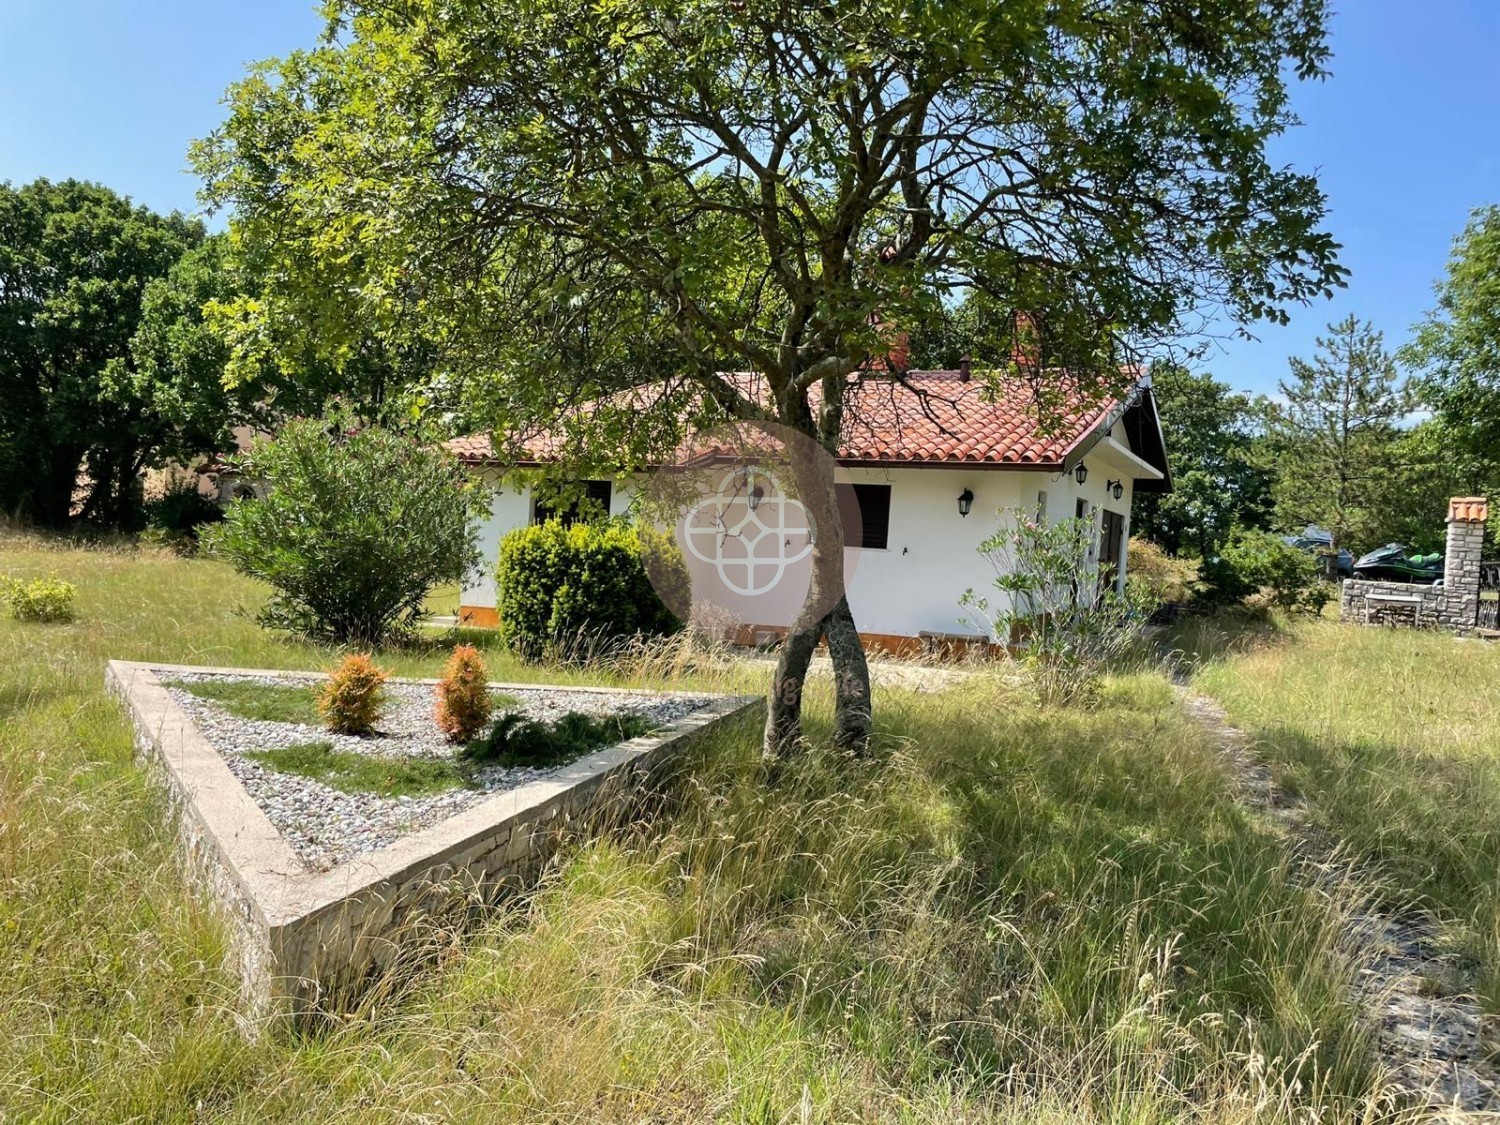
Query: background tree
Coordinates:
[1457,348]
[1333,443]
[572,199]
[1218,481]
[75,262]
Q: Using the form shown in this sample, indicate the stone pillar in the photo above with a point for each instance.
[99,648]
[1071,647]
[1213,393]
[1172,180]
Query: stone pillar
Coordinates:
[1460,603]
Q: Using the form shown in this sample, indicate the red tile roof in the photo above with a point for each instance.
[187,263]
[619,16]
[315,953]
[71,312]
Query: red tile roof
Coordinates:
[937,418]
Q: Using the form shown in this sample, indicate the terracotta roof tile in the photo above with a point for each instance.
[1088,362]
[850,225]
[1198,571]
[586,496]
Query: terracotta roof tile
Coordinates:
[937,418]
[1468,509]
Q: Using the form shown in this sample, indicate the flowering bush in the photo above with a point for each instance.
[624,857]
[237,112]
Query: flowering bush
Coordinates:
[463,703]
[354,696]
[41,599]
[1058,620]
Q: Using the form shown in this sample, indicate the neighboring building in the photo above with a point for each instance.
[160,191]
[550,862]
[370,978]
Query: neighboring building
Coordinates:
[908,458]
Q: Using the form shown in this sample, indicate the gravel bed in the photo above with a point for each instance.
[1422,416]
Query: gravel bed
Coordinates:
[326,826]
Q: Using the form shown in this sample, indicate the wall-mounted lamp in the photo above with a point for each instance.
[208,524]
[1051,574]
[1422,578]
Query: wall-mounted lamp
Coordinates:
[1081,473]
[965,502]
[755,496]
[1115,488]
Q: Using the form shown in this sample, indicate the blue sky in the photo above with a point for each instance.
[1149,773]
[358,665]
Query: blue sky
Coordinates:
[1406,135]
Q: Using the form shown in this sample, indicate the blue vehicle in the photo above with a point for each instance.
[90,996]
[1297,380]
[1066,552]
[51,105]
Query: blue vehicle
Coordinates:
[1317,541]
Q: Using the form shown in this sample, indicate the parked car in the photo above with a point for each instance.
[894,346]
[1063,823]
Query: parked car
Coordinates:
[1395,563]
[1316,541]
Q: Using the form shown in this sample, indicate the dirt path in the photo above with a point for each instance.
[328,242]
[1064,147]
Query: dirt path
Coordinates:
[1437,1046]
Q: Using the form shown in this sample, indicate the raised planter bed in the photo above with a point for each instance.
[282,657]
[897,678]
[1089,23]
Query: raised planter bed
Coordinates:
[322,885]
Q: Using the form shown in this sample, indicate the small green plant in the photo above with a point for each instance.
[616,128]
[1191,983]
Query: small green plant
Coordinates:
[463,695]
[40,599]
[253,699]
[354,696]
[1065,620]
[515,740]
[353,772]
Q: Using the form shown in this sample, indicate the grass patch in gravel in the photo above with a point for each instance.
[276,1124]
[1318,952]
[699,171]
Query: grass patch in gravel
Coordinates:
[254,699]
[515,740]
[353,772]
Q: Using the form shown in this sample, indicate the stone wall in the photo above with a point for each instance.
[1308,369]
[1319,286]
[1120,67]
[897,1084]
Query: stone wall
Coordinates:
[306,942]
[1452,603]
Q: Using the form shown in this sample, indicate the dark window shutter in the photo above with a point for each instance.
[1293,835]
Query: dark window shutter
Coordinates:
[866,512]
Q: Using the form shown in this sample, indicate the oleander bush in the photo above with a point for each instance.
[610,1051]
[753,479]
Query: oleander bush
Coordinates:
[560,582]
[463,695]
[39,599]
[357,524]
[354,697]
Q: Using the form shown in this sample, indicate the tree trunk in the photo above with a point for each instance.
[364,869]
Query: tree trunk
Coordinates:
[851,678]
[812,473]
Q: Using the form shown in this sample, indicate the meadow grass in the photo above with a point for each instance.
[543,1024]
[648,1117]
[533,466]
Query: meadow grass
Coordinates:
[1004,915]
[1393,736]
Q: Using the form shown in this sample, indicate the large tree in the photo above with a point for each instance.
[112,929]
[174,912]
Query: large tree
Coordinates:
[569,198]
[1457,348]
[1218,483]
[1333,442]
[76,260]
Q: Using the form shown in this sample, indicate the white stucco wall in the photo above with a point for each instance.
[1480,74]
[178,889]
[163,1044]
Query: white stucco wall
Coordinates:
[932,557]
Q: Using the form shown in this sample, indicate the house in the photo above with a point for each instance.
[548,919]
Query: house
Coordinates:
[928,465]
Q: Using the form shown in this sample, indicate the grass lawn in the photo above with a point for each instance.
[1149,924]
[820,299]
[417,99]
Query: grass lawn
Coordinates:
[1393,736]
[276,703]
[1008,915]
[364,773]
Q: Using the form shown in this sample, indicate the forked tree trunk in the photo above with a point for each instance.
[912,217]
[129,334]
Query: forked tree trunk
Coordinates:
[851,678]
[813,476]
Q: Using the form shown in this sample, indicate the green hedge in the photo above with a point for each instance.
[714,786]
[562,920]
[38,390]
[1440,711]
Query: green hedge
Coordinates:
[559,584]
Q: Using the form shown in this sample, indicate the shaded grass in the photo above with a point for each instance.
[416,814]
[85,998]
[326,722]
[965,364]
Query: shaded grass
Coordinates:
[353,772]
[1007,915]
[251,699]
[1393,736]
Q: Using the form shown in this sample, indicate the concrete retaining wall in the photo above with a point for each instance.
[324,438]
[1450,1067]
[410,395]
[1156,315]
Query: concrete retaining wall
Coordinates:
[306,941]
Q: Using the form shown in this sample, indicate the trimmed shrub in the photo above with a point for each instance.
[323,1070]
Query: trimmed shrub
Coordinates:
[40,599]
[559,584]
[354,696]
[1257,564]
[357,524]
[463,695]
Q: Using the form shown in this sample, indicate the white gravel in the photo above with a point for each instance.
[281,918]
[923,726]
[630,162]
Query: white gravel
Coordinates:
[326,826]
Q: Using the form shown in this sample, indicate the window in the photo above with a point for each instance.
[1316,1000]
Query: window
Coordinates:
[1082,510]
[866,510]
[586,499]
[1041,506]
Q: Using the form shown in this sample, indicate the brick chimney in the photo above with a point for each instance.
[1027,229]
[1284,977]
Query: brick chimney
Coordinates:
[1464,550]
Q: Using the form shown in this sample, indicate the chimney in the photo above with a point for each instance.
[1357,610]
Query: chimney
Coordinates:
[965,369]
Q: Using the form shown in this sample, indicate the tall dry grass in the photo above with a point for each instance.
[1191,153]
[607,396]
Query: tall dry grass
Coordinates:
[1393,736]
[1006,915]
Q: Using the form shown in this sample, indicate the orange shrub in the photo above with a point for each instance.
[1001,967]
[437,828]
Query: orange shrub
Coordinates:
[352,700]
[463,695]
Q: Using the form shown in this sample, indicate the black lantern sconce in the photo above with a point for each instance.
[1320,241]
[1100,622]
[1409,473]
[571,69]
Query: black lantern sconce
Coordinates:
[755,496]
[965,502]
[1115,488]
[1081,473]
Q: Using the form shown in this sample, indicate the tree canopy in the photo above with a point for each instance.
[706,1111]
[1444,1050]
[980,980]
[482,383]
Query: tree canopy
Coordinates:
[1218,482]
[1334,441]
[564,198]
